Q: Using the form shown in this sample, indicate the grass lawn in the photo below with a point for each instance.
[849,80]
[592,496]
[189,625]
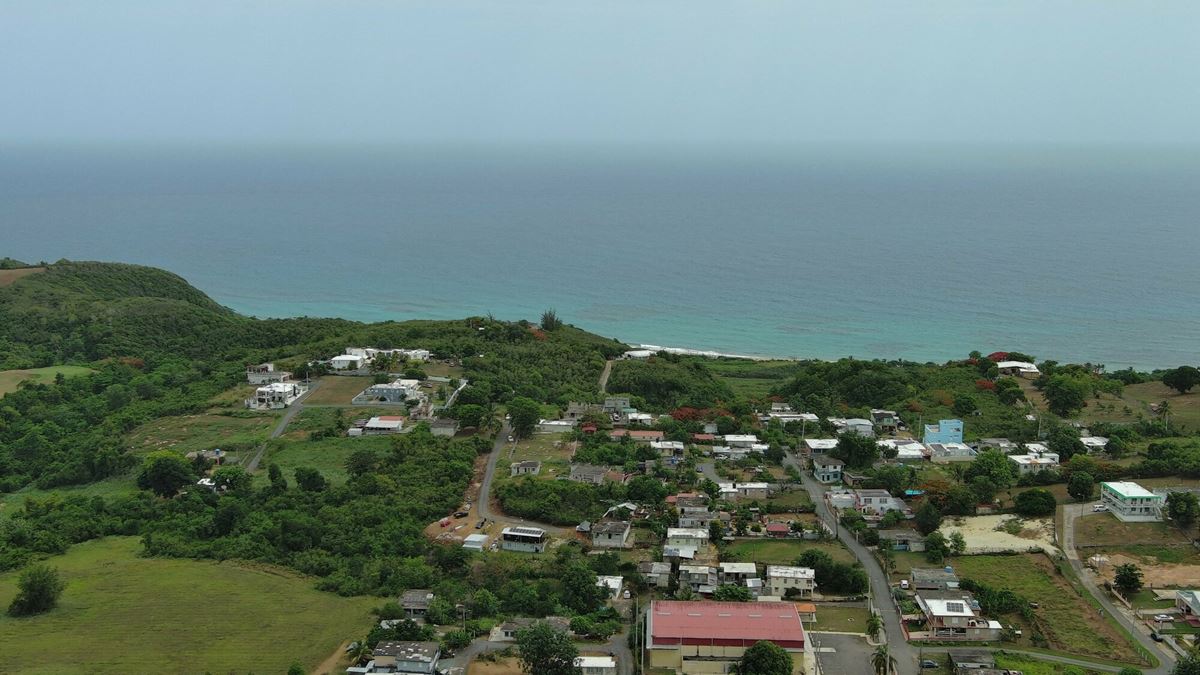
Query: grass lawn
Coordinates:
[552,450]
[1029,666]
[1103,529]
[751,379]
[906,561]
[124,614]
[796,499]
[439,369]
[9,379]
[202,432]
[1145,599]
[12,501]
[1185,408]
[842,619]
[1068,620]
[782,551]
[339,390]
[327,455]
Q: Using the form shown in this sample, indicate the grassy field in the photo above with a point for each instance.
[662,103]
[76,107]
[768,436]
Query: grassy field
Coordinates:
[1103,529]
[12,501]
[327,455]
[782,551]
[9,379]
[339,390]
[439,369]
[751,379]
[202,432]
[842,619]
[125,614]
[1067,619]
[1029,666]
[1185,408]
[9,277]
[552,450]
[796,499]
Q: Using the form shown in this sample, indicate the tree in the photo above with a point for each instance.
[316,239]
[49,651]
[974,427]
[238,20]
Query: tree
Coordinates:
[856,450]
[958,544]
[1035,503]
[881,661]
[38,590]
[765,658]
[296,669]
[525,414]
[1081,486]
[1128,579]
[550,320]
[1129,671]
[484,603]
[164,473]
[1183,508]
[995,467]
[891,519]
[1066,444]
[544,650]
[232,479]
[360,652]
[964,404]
[936,548]
[1066,394]
[309,479]
[732,593]
[579,590]
[1182,379]
[928,517]
[361,461]
[1188,665]
[275,475]
[874,625]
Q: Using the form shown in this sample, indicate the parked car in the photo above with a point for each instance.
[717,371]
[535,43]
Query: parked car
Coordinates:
[626,596]
[460,514]
[1156,637]
[1099,507]
[510,439]
[930,663]
[904,584]
[479,525]
[1163,617]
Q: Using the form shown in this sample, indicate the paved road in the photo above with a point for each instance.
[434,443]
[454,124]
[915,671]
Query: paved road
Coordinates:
[292,410]
[904,653]
[604,376]
[1070,513]
[839,654]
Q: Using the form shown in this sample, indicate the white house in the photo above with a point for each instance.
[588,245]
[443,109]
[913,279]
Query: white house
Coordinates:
[945,453]
[396,391]
[611,534]
[814,446]
[687,537]
[877,502]
[347,362]
[1094,444]
[612,584]
[275,395]
[1131,502]
[523,539]
[741,440]
[401,657]
[1019,368]
[860,426]
[827,469]
[753,490]
[1034,462]
[386,424]
[737,572]
[782,578]
[596,665]
[265,373]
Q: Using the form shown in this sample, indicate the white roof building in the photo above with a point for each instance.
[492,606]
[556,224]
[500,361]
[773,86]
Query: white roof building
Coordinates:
[820,444]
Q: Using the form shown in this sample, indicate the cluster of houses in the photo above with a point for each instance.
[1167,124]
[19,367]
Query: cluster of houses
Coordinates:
[356,358]
[275,389]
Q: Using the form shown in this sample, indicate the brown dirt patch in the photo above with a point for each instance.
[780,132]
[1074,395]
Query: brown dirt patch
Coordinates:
[335,662]
[510,666]
[1154,575]
[9,277]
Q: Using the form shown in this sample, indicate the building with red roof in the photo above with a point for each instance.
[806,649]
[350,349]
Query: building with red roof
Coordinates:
[777,529]
[701,637]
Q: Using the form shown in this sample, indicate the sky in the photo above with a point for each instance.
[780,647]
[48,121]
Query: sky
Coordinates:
[619,71]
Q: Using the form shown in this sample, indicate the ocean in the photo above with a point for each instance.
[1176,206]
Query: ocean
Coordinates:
[915,252]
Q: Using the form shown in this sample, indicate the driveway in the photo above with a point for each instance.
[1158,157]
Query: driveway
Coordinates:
[484,500]
[292,410]
[839,654]
[1071,512]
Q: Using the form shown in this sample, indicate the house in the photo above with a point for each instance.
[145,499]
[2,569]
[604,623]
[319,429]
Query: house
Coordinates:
[787,417]
[1094,444]
[906,450]
[611,534]
[555,426]
[668,448]
[860,426]
[1034,462]
[946,453]
[596,665]
[415,602]
[827,469]
[1002,444]
[700,578]
[528,467]
[687,537]
[386,424]
[962,660]
[933,578]
[693,512]
[1130,502]
[954,615]
[813,446]
[903,540]
[709,637]
[741,440]
[806,610]
[275,395]
[475,542]
[614,405]
[638,354]
[396,392]
[1188,604]
[577,411]
[780,579]
[401,657]
[753,490]
[1022,369]
[347,362]
[611,583]
[737,572]
[657,574]
[777,530]
[635,417]
[588,473]
[523,539]
[265,373]
[885,421]
[639,435]
[1036,448]
[507,631]
[703,439]
[877,502]
[945,431]
[731,454]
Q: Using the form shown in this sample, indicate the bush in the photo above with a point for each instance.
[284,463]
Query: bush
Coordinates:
[38,591]
[1035,503]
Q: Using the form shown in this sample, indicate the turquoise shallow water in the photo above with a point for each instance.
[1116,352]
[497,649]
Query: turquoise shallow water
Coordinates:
[1084,254]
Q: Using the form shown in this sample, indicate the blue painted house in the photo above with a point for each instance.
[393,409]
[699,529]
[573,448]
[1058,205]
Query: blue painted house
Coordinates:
[945,431]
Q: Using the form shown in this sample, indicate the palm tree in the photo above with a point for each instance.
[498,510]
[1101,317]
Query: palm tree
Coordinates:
[874,625]
[1164,413]
[880,660]
[360,652]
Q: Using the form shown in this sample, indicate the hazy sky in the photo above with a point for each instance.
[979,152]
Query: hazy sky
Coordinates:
[604,71]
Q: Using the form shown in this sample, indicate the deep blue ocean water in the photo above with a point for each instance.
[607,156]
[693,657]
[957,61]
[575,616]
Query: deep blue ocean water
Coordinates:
[1081,254]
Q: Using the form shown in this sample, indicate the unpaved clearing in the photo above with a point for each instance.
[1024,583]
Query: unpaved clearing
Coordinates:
[1154,575]
[982,535]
